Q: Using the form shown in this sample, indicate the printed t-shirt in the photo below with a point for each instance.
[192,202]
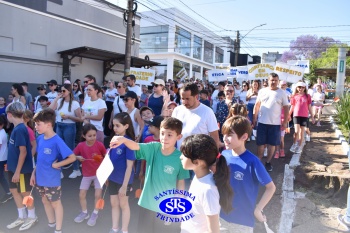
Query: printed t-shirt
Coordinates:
[89,167]
[65,111]
[162,174]
[91,108]
[119,157]
[301,105]
[246,174]
[206,202]
[272,101]
[200,120]
[48,151]
[51,96]
[19,137]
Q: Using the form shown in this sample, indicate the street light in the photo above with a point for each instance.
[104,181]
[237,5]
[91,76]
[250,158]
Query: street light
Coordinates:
[238,42]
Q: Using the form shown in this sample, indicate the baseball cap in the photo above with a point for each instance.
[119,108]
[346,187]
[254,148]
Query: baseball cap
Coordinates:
[43,98]
[159,82]
[300,84]
[54,82]
[172,102]
[130,94]
[42,86]
[155,121]
[283,82]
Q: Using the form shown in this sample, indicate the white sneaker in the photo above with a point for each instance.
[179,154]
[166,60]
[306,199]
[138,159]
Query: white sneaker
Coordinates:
[75,174]
[265,152]
[293,148]
[307,138]
[16,223]
[28,223]
[62,176]
[299,149]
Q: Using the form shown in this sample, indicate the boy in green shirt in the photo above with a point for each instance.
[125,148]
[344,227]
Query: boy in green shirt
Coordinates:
[163,172]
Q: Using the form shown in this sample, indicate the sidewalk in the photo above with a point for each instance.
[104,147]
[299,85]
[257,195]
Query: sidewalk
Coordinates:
[323,175]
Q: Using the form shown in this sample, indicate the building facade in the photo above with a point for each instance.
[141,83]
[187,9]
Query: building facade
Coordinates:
[32,33]
[270,57]
[182,46]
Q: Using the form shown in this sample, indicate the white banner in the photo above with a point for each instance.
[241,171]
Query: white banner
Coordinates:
[242,73]
[233,72]
[301,63]
[260,71]
[217,75]
[222,66]
[289,73]
[143,76]
[182,74]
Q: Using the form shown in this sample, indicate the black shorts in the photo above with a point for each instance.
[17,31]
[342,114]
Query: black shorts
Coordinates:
[51,193]
[114,188]
[24,182]
[302,121]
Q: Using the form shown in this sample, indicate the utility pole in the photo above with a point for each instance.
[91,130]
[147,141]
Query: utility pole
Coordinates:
[237,48]
[130,14]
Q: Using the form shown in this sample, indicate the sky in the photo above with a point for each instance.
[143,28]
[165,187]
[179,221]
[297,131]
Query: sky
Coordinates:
[285,20]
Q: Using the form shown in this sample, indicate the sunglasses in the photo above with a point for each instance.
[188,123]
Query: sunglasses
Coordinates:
[75,85]
[156,85]
[301,87]
[89,89]
[231,91]
[40,89]
[126,99]
[120,86]
[86,81]
[50,84]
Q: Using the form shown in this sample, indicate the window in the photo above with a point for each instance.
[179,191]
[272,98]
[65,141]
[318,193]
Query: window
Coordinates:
[219,55]
[208,52]
[197,47]
[154,39]
[196,72]
[182,41]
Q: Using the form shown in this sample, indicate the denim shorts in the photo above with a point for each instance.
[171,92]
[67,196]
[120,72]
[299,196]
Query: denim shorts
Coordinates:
[268,135]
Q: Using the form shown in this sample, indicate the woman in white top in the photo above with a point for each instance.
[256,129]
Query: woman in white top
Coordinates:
[110,95]
[94,109]
[252,94]
[18,92]
[131,102]
[243,93]
[118,104]
[68,112]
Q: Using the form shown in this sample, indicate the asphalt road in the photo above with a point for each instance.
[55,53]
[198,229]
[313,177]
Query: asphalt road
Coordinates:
[70,200]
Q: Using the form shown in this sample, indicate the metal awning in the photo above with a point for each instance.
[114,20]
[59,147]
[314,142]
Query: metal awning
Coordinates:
[329,72]
[109,59]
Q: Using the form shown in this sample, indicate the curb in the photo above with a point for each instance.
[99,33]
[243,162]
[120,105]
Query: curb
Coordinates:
[340,136]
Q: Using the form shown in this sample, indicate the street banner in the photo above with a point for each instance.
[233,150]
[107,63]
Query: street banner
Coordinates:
[182,74]
[291,74]
[301,63]
[217,75]
[222,66]
[260,71]
[232,73]
[242,73]
[143,76]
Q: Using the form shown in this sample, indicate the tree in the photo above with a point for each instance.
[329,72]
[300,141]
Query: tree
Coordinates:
[287,55]
[308,47]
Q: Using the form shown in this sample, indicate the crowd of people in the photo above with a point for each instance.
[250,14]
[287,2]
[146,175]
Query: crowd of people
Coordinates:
[159,133]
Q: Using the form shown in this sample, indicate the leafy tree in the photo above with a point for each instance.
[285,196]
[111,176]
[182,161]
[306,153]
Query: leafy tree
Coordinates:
[287,55]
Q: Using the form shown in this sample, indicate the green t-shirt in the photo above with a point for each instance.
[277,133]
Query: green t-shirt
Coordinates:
[162,174]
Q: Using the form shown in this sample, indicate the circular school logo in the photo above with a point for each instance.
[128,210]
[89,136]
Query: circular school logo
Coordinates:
[175,205]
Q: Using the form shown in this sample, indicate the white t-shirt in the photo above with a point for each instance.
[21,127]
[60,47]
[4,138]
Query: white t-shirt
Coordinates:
[271,105]
[51,96]
[91,108]
[119,101]
[112,92]
[243,96]
[318,97]
[64,111]
[37,106]
[200,120]
[3,145]
[136,89]
[205,203]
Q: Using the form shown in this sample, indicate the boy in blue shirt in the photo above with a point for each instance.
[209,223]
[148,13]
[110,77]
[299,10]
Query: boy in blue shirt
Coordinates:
[163,172]
[52,154]
[20,166]
[247,174]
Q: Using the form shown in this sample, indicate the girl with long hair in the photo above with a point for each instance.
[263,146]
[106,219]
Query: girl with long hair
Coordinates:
[212,190]
[18,92]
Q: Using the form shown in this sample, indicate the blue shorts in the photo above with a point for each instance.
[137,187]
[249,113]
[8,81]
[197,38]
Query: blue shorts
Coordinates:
[268,134]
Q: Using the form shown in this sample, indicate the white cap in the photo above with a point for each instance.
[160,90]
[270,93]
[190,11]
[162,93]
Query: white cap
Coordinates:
[300,84]
[159,82]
